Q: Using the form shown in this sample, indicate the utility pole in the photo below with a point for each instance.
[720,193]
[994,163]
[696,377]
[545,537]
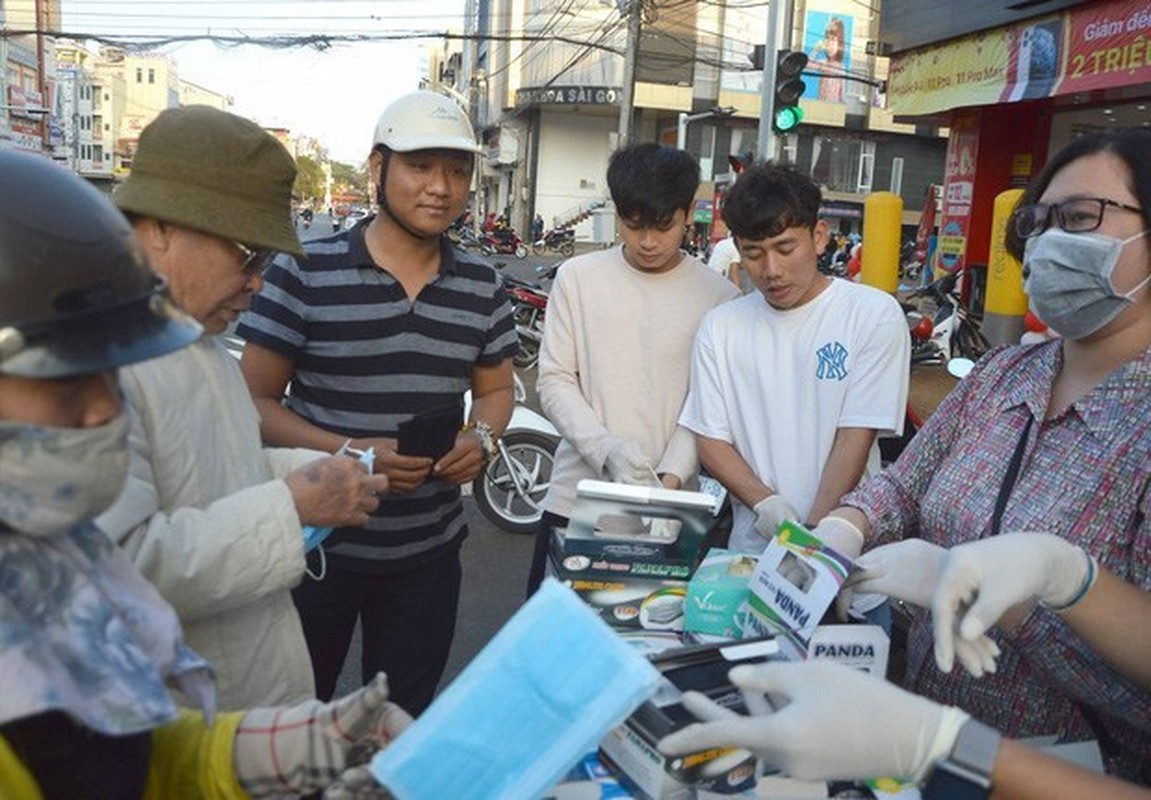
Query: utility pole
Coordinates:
[634,10]
[777,13]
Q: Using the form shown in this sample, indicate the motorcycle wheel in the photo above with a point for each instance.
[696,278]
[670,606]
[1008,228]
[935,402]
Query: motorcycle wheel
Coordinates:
[539,248]
[528,355]
[567,248]
[521,251]
[509,491]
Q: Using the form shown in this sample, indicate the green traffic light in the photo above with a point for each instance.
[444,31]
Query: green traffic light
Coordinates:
[787,118]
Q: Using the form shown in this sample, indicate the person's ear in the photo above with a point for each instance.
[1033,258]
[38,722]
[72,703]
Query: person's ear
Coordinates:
[820,233]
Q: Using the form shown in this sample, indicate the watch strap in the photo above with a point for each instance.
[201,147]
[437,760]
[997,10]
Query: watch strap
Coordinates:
[965,773]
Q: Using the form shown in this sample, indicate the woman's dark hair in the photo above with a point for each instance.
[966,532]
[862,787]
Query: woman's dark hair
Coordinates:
[767,199]
[649,182]
[1132,146]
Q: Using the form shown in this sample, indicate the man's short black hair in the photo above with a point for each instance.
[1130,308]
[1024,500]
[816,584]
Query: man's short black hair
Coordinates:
[649,182]
[767,199]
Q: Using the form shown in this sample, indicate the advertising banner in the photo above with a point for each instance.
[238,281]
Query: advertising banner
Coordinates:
[958,191]
[1091,46]
[827,42]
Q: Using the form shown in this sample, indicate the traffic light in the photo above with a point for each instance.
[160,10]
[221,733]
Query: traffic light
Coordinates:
[786,113]
[756,56]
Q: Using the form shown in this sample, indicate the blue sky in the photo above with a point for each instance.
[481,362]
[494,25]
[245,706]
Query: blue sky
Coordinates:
[334,95]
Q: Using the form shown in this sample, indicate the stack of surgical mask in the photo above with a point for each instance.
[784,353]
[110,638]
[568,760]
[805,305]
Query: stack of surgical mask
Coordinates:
[543,693]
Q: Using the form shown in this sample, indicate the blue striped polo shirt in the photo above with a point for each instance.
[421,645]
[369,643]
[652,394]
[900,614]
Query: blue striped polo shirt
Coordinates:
[367,358]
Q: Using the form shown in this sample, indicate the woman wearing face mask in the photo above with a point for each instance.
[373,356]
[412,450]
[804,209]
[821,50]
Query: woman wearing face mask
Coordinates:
[1052,438]
[88,648]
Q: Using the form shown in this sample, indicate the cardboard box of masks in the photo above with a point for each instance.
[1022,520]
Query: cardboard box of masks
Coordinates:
[632,746]
[629,551]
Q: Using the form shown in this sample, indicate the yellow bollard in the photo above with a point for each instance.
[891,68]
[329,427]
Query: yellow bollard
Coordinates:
[882,222]
[1006,302]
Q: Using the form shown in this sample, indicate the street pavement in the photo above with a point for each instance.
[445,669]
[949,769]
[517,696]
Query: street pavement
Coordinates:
[495,563]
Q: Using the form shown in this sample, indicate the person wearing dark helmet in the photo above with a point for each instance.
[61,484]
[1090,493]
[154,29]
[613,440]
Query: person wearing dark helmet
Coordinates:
[209,515]
[88,648]
[379,324]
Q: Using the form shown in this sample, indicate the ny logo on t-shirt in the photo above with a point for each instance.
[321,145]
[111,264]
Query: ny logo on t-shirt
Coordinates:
[832,362]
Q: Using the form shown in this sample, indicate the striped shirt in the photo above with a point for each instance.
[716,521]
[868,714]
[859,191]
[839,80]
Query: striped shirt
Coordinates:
[1085,476]
[367,358]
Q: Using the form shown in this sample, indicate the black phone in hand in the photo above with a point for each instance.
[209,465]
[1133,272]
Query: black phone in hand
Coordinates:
[432,433]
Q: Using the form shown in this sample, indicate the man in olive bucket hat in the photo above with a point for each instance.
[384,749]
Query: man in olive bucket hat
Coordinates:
[210,517]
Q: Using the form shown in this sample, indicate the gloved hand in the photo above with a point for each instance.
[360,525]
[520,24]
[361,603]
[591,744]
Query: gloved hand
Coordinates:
[300,749]
[980,580]
[910,571]
[626,463]
[770,512]
[847,540]
[832,723]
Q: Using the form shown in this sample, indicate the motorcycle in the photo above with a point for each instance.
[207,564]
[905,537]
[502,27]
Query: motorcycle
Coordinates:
[946,332]
[529,307]
[503,242]
[509,490]
[560,240]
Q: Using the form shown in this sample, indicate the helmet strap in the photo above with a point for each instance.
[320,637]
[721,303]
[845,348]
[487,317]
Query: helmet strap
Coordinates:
[382,197]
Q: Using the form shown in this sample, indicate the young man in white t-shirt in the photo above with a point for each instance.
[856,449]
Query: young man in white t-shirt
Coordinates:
[791,384]
[613,369]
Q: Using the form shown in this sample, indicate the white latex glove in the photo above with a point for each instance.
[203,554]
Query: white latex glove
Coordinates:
[770,512]
[833,723]
[910,571]
[301,749]
[847,540]
[626,463]
[980,580]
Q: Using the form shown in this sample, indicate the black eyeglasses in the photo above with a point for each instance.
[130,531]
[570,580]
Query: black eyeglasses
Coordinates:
[1079,215]
[255,261]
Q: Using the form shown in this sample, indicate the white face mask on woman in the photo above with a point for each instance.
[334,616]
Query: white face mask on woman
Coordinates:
[52,479]
[1069,280]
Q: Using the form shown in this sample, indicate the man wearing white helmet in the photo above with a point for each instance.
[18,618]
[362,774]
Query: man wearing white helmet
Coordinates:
[381,324]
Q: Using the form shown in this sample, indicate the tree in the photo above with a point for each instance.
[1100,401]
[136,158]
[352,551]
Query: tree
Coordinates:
[309,186]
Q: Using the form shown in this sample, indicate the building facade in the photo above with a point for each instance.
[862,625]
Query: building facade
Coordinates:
[547,82]
[1014,82]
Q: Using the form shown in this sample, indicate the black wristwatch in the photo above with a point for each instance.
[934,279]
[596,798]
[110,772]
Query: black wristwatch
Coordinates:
[965,774]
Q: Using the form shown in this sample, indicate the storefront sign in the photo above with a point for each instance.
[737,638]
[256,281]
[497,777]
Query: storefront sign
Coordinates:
[1097,46]
[958,191]
[568,96]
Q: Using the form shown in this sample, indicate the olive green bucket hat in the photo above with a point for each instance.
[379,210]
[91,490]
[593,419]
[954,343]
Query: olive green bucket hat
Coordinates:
[214,172]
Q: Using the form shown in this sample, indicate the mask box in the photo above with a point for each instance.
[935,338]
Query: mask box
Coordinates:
[795,582]
[661,529]
[627,603]
[717,597]
[632,746]
[616,560]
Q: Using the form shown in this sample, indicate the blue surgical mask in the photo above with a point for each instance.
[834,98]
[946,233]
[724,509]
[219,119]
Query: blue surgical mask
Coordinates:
[314,536]
[1069,280]
[544,692]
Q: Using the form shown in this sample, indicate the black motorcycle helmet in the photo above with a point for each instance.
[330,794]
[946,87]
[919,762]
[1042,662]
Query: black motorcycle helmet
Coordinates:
[76,293]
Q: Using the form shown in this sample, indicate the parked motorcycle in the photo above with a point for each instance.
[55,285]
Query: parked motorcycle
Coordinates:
[560,240]
[948,330]
[508,492]
[529,308]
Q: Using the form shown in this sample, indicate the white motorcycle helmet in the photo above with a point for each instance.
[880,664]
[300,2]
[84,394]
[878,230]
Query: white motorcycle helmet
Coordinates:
[423,121]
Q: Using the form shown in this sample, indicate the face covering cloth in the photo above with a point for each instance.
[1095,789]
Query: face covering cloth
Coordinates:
[1069,280]
[543,693]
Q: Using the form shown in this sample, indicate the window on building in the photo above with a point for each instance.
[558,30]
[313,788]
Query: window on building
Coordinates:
[98,153]
[836,163]
[151,75]
[139,74]
[866,167]
[707,153]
